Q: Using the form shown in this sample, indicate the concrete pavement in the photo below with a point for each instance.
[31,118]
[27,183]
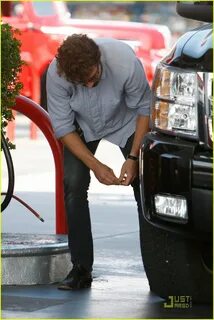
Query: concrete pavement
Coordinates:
[119,290]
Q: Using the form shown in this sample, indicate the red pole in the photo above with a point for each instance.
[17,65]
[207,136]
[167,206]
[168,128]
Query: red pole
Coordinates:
[41,118]
[11,128]
[33,131]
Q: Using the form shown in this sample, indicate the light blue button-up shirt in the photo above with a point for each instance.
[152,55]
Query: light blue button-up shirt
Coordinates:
[108,110]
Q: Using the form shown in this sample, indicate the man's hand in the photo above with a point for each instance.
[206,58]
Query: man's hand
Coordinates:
[105,175]
[129,172]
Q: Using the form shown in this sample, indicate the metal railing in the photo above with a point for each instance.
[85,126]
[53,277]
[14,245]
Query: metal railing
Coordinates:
[41,119]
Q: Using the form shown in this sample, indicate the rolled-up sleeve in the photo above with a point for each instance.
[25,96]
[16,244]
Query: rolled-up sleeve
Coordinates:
[58,102]
[137,90]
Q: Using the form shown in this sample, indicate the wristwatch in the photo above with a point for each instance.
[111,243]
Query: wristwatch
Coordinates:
[132,157]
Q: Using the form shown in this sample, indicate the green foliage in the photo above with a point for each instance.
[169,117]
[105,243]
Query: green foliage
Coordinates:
[11,65]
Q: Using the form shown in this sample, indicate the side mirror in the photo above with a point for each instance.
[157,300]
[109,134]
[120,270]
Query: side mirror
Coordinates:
[198,10]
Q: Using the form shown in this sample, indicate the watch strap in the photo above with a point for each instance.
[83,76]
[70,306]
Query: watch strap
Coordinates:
[132,157]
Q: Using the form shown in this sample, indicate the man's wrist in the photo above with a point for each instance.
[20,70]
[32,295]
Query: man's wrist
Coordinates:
[94,164]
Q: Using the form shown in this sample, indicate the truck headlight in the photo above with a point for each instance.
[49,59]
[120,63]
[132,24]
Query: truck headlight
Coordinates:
[175,101]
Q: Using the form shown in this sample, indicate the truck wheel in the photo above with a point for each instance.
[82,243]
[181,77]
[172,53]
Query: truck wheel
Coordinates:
[43,93]
[175,266]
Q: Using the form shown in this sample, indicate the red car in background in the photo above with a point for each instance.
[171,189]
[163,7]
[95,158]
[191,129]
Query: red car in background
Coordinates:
[44,25]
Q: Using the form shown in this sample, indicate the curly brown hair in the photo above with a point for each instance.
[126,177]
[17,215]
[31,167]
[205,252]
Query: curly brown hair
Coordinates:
[76,57]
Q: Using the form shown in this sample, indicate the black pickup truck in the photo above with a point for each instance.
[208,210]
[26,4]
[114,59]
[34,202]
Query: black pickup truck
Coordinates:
[176,166]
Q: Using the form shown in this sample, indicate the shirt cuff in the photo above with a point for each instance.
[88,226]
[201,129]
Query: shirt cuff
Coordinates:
[144,111]
[61,132]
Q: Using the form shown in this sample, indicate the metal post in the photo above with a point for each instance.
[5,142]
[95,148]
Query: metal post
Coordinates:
[41,118]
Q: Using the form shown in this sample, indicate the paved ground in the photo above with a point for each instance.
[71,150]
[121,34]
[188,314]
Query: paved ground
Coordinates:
[120,288]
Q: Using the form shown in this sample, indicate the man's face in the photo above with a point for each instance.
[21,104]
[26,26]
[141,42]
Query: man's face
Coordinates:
[94,76]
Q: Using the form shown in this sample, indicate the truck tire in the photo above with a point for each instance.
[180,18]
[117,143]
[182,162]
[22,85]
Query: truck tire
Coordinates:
[174,266]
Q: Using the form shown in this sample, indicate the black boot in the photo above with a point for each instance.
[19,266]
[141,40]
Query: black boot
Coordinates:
[78,278]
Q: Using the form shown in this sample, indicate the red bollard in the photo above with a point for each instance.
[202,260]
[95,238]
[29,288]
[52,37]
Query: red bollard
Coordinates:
[41,119]
[11,127]
[33,131]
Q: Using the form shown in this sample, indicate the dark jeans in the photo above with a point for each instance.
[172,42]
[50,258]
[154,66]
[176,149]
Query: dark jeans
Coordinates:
[76,183]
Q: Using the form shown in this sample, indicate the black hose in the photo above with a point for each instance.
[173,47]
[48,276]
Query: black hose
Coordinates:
[10,168]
